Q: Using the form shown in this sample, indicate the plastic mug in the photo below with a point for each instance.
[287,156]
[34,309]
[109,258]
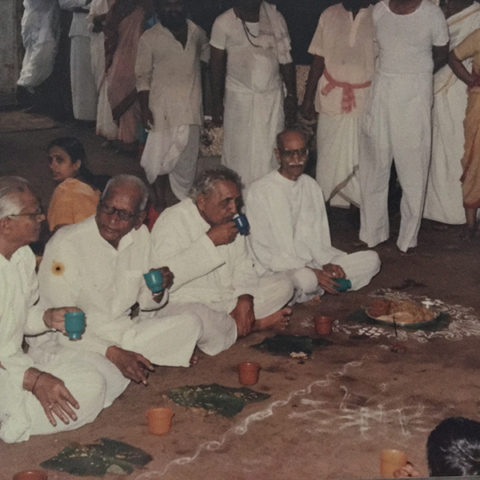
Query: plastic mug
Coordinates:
[154,280]
[344,284]
[159,420]
[242,224]
[391,460]
[323,325]
[248,372]
[75,325]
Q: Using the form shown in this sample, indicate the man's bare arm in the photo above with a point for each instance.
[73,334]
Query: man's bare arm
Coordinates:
[218,69]
[316,71]
[440,56]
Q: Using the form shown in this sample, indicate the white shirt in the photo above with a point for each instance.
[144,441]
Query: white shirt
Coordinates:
[255,68]
[81,269]
[288,223]
[172,74]
[406,41]
[347,45]
[18,313]
[205,273]
[79,26]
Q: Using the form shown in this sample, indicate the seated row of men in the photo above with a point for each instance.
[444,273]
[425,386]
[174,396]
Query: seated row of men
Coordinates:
[215,289]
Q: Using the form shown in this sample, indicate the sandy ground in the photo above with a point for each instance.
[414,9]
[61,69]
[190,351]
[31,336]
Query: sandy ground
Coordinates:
[328,416]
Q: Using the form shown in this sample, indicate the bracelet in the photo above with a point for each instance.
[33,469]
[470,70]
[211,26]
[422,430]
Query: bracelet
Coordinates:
[36,380]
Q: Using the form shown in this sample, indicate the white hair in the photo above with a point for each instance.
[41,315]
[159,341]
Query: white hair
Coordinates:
[124,179]
[9,186]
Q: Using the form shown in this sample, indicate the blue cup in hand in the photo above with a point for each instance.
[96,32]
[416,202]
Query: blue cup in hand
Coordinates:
[242,224]
[75,325]
[344,284]
[154,280]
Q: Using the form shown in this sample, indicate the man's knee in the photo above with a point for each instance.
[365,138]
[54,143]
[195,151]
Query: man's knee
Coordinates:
[305,280]
[373,261]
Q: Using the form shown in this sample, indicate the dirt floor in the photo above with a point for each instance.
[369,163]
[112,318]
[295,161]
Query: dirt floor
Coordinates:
[328,416]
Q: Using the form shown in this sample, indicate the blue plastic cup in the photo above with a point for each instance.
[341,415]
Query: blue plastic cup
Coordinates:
[154,280]
[242,224]
[75,325]
[344,284]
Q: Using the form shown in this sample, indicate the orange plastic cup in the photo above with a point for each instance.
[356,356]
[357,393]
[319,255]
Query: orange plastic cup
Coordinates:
[30,475]
[159,420]
[323,325]
[391,460]
[248,372]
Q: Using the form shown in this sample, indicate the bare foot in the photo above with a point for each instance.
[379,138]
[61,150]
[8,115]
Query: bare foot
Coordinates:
[276,321]
[193,360]
[313,302]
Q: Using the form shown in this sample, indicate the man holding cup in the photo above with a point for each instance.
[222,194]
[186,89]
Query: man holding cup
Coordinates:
[98,266]
[34,396]
[290,232]
[199,240]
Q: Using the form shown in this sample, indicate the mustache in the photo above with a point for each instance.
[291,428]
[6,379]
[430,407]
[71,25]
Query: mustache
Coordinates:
[300,164]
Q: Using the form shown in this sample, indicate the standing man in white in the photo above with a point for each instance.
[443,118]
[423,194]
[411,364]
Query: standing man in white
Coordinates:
[412,37]
[341,74]
[84,88]
[170,95]
[251,63]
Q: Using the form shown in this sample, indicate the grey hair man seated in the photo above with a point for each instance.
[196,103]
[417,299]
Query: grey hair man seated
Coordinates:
[200,242]
[98,266]
[289,228]
[35,398]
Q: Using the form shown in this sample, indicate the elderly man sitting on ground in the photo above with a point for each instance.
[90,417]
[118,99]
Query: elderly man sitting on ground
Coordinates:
[98,266]
[289,228]
[199,241]
[34,396]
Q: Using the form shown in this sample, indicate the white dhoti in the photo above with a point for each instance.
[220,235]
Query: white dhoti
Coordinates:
[173,151]
[359,268]
[22,415]
[337,159]
[396,124]
[84,89]
[251,124]
[37,63]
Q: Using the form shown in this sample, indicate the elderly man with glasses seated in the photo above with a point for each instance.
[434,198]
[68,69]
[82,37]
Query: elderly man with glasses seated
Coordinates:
[289,228]
[36,398]
[98,265]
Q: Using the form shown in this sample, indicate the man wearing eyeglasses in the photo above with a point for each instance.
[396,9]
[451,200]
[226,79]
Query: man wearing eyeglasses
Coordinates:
[98,266]
[36,398]
[289,228]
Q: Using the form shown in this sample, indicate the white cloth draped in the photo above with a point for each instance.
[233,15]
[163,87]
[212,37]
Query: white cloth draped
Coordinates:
[40,34]
[444,199]
[289,231]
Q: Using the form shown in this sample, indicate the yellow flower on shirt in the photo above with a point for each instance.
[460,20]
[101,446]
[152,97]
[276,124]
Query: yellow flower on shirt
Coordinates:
[58,268]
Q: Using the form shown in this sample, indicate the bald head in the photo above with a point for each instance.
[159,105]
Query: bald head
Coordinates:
[288,135]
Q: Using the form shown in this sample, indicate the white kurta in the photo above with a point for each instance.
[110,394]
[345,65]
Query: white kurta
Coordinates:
[105,124]
[84,88]
[80,268]
[397,120]
[212,275]
[172,75]
[21,414]
[347,46]
[444,199]
[40,34]
[253,113]
[289,231]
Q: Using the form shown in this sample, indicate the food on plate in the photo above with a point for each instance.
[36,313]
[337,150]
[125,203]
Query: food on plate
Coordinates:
[404,311]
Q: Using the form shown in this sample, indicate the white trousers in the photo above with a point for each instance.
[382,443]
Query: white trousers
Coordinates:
[173,151]
[21,414]
[396,125]
[84,88]
[359,268]
[337,159]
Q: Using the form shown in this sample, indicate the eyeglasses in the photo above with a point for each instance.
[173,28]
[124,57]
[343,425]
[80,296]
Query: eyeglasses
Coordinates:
[301,152]
[123,215]
[34,215]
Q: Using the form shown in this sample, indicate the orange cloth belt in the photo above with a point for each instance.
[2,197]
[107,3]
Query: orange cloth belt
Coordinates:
[348,95]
